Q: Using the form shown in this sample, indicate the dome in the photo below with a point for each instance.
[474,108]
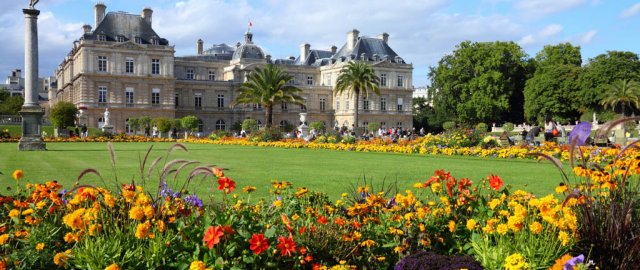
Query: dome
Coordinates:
[219,49]
[248,49]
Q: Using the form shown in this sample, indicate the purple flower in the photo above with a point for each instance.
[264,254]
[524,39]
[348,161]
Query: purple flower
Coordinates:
[62,195]
[193,200]
[573,261]
[581,131]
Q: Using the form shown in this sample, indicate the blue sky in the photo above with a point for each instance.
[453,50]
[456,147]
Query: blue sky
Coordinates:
[421,31]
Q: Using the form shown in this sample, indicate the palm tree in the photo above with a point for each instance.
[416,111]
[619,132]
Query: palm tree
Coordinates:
[268,87]
[624,93]
[356,78]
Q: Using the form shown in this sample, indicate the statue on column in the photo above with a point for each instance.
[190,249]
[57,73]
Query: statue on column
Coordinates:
[106,117]
[32,4]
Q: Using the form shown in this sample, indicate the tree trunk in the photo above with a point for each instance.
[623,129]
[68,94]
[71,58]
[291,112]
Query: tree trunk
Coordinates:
[355,115]
[268,113]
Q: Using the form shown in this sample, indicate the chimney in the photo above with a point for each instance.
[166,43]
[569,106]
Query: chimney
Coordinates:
[200,46]
[304,51]
[86,28]
[352,38]
[385,37]
[147,13]
[100,10]
[334,49]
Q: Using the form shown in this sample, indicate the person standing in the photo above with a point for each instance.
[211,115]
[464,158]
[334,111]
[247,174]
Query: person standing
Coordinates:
[84,131]
[549,126]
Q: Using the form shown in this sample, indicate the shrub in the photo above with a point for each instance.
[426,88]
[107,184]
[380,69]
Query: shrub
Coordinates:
[348,139]
[163,124]
[482,127]
[318,126]
[508,127]
[373,126]
[250,125]
[267,135]
[449,125]
[423,260]
[190,123]
[63,114]
[321,139]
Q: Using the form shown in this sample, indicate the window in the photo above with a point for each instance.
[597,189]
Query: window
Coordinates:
[120,38]
[102,38]
[337,105]
[400,104]
[212,75]
[200,126]
[309,80]
[102,63]
[383,104]
[259,123]
[155,66]
[323,102]
[220,125]
[383,124]
[127,127]
[292,81]
[154,41]
[383,79]
[138,40]
[346,105]
[283,124]
[128,96]
[365,124]
[198,101]
[155,96]
[100,122]
[365,103]
[220,101]
[189,74]
[400,81]
[329,79]
[283,106]
[128,65]
[102,94]
[257,107]
[303,106]
[399,124]
[176,100]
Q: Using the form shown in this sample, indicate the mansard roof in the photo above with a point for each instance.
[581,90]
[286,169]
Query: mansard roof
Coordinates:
[125,25]
[313,57]
[368,46]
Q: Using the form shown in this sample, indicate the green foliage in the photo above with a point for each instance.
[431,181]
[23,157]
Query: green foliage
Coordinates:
[508,127]
[163,124]
[190,123]
[357,78]
[268,86]
[318,126]
[481,82]
[482,127]
[604,70]
[250,125]
[177,123]
[449,125]
[145,121]
[267,135]
[552,91]
[134,124]
[424,116]
[10,105]
[63,114]
[373,126]
[623,93]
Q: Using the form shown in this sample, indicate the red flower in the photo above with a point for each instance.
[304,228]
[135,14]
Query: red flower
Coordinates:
[212,236]
[495,182]
[226,229]
[322,220]
[464,183]
[258,243]
[286,245]
[226,184]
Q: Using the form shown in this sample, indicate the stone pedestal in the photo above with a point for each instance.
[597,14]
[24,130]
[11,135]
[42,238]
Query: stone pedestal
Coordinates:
[31,139]
[107,129]
[303,128]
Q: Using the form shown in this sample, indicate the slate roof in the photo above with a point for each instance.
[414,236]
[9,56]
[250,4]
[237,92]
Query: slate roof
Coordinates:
[126,25]
[314,55]
[369,46]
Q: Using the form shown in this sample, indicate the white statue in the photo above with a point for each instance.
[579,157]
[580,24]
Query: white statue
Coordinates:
[33,3]
[106,117]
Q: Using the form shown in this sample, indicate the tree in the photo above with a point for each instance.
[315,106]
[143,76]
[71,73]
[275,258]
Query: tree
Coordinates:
[602,71]
[11,105]
[421,112]
[63,114]
[163,124]
[481,82]
[357,78]
[190,123]
[622,93]
[250,125]
[134,124]
[553,91]
[145,121]
[268,87]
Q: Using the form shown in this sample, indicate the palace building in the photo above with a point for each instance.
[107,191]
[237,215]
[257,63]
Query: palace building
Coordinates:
[124,65]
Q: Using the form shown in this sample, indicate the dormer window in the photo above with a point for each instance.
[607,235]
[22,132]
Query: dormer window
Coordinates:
[138,40]
[120,39]
[154,41]
[102,37]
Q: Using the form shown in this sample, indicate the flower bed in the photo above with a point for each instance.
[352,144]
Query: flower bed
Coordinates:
[45,226]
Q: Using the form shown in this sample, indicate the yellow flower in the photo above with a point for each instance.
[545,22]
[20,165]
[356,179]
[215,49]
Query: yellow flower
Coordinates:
[515,262]
[27,212]
[70,238]
[113,266]
[418,185]
[564,238]
[60,259]
[493,203]
[197,265]
[39,246]
[41,204]
[381,258]
[149,211]
[17,174]
[142,230]
[136,213]
[249,189]
[561,188]
[3,239]
[535,227]
[14,213]
[452,226]
[471,224]
[368,243]
[502,229]
[277,203]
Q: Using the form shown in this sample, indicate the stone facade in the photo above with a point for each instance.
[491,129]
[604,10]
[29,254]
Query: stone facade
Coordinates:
[121,62]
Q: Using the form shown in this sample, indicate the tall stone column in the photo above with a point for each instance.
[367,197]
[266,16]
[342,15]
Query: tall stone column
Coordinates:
[31,111]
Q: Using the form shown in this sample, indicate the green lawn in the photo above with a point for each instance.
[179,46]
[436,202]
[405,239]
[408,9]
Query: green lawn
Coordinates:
[323,170]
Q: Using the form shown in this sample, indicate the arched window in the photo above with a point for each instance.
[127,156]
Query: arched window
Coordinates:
[127,127]
[220,125]
[283,124]
[200,126]
[259,123]
[100,122]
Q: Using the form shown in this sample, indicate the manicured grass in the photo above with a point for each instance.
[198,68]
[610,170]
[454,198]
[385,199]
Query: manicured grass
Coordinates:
[328,171]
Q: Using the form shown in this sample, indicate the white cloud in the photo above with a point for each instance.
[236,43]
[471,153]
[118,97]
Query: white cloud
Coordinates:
[631,11]
[540,8]
[587,37]
[548,33]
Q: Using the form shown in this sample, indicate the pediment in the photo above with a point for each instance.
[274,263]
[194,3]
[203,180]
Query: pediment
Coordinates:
[127,45]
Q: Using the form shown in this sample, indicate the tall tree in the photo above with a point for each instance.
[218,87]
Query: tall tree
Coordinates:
[268,86]
[602,71]
[552,91]
[357,78]
[481,82]
[623,93]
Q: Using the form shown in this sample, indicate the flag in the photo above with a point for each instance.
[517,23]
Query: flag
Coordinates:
[250,24]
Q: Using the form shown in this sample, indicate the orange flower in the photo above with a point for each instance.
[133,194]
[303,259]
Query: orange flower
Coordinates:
[218,172]
[286,245]
[226,184]
[212,236]
[322,220]
[495,182]
[258,243]
[17,174]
